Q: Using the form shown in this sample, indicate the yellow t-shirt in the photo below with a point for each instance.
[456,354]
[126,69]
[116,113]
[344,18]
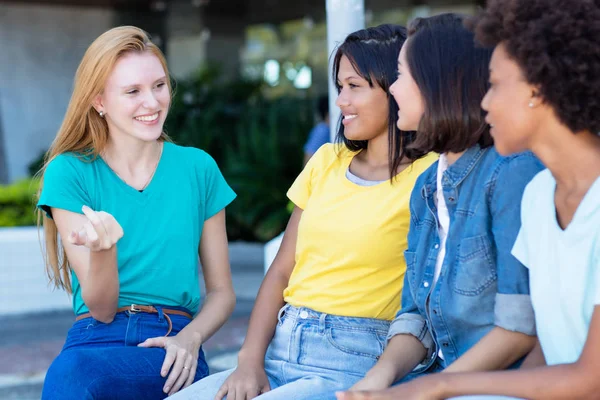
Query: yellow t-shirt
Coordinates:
[351,238]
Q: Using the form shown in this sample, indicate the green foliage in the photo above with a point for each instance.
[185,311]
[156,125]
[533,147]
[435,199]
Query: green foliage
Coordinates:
[17,206]
[257,143]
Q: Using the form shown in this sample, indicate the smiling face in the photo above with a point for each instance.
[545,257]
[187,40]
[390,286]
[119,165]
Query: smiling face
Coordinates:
[407,96]
[512,109]
[364,108]
[136,97]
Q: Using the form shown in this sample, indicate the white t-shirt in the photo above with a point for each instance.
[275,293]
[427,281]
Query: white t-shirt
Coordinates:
[443,217]
[564,273]
[443,223]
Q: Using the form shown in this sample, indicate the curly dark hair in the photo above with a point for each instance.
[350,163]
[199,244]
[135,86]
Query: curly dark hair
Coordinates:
[556,43]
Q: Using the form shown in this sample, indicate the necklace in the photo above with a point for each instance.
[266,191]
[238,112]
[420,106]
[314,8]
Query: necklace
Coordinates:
[149,178]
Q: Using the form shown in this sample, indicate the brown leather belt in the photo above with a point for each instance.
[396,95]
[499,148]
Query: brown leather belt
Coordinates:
[135,308]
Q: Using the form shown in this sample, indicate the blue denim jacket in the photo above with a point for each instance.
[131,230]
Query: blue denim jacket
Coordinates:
[481,285]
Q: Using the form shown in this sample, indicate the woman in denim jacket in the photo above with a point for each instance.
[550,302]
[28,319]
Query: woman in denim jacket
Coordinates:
[465,305]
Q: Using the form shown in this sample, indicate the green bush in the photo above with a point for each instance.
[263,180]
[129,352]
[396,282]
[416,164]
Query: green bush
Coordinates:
[17,206]
[257,143]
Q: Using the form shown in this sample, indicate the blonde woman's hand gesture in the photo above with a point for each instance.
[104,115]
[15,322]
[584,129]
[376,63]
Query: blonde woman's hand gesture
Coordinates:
[100,232]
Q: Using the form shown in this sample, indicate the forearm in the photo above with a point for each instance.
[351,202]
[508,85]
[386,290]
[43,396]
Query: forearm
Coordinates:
[402,354]
[560,382]
[499,349]
[263,319]
[216,309]
[100,287]
[535,358]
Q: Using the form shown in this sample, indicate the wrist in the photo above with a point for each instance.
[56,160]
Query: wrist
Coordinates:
[382,376]
[191,336]
[438,383]
[250,358]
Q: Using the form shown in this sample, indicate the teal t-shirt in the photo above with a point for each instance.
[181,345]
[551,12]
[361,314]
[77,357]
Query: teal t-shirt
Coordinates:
[158,254]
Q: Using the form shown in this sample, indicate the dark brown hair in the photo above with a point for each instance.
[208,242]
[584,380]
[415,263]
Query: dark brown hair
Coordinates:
[373,52]
[556,43]
[452,75]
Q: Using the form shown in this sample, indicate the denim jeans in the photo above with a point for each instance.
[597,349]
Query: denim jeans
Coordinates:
[311,355]
[102,361]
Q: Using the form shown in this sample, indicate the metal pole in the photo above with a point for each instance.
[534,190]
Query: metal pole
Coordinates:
[3,155]
[343,18]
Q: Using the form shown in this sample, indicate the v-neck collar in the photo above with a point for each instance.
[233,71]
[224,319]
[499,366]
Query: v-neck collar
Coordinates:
[581,211]
[147,192]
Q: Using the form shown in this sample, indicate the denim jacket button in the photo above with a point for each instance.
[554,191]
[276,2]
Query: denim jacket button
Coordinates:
[437,246]
[426,284]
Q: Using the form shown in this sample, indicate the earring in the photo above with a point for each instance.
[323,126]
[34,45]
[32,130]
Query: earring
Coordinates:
[531,104]
[101,113]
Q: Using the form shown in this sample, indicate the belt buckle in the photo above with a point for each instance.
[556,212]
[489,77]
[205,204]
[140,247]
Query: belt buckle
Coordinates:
[133,308]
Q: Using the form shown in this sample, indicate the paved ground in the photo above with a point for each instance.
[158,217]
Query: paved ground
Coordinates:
[29,343]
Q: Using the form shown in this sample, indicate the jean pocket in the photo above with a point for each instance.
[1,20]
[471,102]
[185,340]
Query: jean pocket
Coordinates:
[281,314]
[475,267]
[357,342]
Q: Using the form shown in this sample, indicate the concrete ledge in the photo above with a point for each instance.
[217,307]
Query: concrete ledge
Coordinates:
[24,284]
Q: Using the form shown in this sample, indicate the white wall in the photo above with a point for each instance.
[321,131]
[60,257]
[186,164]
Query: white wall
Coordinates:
[40,49]
[23,283]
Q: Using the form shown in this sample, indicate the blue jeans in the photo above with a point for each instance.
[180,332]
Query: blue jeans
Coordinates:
[311,355]
[101,361]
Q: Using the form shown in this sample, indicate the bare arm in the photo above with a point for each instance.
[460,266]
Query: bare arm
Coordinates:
[249,380]
[499,349]
[535,358]
[578,380]
[219,300]
[402,354]
[181,357]
[270,297]
[96,270]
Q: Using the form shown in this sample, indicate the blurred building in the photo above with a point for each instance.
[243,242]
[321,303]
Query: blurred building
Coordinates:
[280,41]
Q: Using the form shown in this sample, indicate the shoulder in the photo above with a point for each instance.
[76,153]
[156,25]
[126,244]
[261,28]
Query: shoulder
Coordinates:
[423,165]
[191,156]
[541,183]
[429,166]
[525,163]
[330,154]
[68,164]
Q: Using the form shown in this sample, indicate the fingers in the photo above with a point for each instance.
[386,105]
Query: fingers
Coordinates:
[154,342]
[266,388]
[223,391]
[78,238]
[176,371]
[353,396]
[168,363]
[184,373]
[252,393]
[102,230]
[192,374]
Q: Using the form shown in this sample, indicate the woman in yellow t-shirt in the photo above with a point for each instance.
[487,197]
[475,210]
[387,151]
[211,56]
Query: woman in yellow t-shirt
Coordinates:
[322,314]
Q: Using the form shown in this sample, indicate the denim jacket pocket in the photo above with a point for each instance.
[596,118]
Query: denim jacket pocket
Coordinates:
[358,342]
[474,270]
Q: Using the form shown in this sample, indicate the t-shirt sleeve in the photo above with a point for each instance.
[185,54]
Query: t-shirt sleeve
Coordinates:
[301,189]
[218,194]
[520,249]
[64,186]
